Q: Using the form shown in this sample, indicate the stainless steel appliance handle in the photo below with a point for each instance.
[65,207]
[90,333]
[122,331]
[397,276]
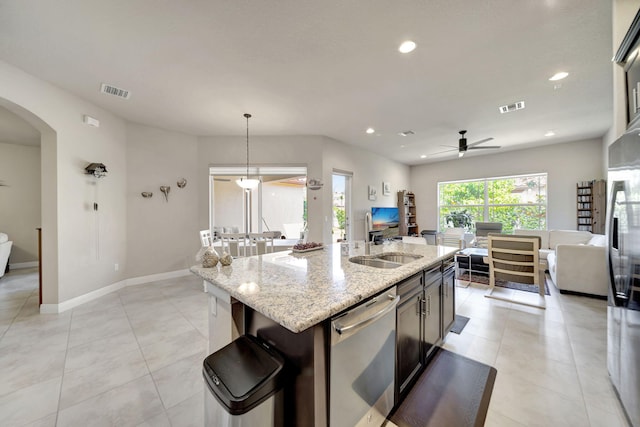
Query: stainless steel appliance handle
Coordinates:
[393,301]
[619,297]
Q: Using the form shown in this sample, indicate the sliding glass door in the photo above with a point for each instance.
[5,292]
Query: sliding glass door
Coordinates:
[277,204]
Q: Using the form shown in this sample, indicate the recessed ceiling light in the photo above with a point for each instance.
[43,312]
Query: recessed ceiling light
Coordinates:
[423,156]
[407,46]
[370,130]
[558,76]
[550,133]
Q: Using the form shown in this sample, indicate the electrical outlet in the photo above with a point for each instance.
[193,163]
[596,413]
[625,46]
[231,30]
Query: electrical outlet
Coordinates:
[116,267]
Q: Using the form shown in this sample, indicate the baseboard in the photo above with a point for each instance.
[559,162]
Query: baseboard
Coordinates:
[19,265]
[155,277]
[74,302]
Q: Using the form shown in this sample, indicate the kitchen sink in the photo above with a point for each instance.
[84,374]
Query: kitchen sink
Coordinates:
[388,260]
[374,262]
[399,258]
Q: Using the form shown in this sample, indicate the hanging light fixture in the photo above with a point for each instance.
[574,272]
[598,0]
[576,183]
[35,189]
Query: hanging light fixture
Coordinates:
[246,182]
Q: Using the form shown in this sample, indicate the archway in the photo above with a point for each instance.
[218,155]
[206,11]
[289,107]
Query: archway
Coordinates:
[48,202]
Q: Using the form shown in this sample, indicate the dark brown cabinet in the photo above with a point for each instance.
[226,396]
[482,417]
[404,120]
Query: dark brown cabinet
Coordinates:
[448,296]
[431,311]
[409,361]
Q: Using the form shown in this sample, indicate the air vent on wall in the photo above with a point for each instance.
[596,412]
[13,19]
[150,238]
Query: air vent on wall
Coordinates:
[115,91]
[512,107]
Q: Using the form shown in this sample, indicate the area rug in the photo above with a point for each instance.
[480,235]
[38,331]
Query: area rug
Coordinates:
[459,324]
[484,280]
[452,391]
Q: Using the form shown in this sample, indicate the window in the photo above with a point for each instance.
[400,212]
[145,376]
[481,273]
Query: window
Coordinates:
[279,203]
[514,201]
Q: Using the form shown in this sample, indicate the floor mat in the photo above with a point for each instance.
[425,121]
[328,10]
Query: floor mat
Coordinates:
[459,324]
[452,391]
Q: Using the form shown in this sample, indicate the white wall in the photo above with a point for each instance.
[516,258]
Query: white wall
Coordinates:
[20,199]
[79,246]
[368,169]
[321,155]
[162,235]
[565,164]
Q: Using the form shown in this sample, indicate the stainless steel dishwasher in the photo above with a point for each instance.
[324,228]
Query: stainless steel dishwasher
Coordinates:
[362,370]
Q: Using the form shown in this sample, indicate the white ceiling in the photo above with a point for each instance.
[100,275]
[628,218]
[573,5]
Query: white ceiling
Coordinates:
[308,67]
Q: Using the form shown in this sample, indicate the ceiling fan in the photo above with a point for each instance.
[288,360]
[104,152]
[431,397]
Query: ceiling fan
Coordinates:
[463,146]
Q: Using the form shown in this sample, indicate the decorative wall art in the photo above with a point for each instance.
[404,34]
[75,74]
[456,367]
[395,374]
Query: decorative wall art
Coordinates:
[372,192]
[165,190]
[147,194]
[386,188]
[182,182]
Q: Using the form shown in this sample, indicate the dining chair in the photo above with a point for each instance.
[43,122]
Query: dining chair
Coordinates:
[482,232]
[235,244]
[205,238]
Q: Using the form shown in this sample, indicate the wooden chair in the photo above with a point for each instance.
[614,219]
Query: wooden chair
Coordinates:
[515,258]
[482,232]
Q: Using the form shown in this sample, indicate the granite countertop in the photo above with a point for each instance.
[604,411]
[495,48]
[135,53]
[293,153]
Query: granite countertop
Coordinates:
[300,290]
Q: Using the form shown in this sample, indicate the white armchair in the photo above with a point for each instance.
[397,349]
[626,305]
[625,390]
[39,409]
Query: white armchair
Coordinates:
[580,268]
[5,251]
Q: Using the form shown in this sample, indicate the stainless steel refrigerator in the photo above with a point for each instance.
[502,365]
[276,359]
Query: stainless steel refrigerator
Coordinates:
[623,310]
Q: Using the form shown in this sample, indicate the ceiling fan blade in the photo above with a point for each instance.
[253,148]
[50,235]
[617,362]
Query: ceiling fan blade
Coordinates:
[450,146]
[485,146]
[479,142]
[442,152]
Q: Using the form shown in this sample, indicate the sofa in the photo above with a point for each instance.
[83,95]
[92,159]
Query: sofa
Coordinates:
[576,260]
[5,251]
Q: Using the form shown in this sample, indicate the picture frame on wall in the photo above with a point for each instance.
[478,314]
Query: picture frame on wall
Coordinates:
[386,188]
[372,192]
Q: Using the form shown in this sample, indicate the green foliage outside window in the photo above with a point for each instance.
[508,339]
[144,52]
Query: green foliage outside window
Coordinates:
[516,202]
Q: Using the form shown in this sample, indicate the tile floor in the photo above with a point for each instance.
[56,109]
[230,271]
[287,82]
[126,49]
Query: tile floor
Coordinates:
[133,357]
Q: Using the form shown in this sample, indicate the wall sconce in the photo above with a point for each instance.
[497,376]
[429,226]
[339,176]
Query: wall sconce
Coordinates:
[147,194]
[98,170]
[314,184]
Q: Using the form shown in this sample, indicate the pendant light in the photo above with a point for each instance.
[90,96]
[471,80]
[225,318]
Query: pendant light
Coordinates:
[246,182]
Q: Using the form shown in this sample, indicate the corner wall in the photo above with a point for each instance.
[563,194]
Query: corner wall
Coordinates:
[80,245]
[162,236]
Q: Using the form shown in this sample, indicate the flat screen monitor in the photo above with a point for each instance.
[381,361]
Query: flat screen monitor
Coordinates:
[385,220]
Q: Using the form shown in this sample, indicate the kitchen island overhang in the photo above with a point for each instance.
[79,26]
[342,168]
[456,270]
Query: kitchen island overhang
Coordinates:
[300,290]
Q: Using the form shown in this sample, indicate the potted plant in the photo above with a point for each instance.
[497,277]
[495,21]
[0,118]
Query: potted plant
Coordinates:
[459,219]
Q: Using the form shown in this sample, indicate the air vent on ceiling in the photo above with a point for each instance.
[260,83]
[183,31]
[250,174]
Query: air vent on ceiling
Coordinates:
[407,133]
[512,107]
[115,91]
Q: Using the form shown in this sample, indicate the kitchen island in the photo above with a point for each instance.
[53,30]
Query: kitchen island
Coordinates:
[287,299]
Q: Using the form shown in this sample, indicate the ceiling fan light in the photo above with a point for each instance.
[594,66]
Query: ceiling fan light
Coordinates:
[460,153]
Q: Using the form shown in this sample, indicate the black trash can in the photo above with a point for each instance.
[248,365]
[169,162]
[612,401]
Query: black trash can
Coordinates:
[244,381]
[430,235]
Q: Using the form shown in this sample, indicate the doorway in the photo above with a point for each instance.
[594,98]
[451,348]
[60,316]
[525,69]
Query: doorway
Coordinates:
[341,206]
[277,204]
